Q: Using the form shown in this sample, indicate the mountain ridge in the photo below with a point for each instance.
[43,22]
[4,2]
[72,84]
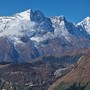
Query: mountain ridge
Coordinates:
[32,33]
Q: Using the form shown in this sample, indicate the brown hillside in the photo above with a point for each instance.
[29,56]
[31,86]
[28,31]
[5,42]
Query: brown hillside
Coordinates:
[80,73]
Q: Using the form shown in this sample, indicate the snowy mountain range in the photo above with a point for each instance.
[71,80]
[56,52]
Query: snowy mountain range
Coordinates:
[29,34]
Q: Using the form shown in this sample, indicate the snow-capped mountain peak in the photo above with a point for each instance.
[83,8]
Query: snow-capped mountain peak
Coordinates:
[31,33]
[28,23]
[34,23]
[87,19]
[85,24]
[24,15]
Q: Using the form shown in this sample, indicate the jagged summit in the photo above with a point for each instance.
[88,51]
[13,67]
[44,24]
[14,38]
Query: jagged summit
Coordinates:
[85,24]
[38,16]
[30,15]
[85,21]
[27,15]
[28,23]
[24,15]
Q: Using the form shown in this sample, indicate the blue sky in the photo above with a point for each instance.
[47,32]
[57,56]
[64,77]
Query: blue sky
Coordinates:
[73,10]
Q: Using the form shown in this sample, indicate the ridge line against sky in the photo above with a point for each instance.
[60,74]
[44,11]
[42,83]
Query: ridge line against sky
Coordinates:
[73,10]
